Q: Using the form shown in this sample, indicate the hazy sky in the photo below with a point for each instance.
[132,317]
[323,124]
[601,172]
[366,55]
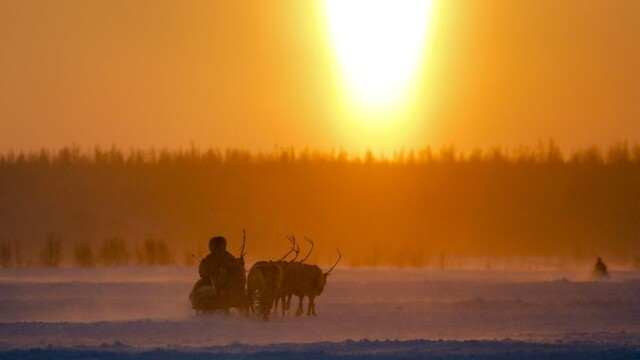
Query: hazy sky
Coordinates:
[260,74]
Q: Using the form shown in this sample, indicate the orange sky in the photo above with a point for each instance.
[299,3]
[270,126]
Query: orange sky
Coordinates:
[260,74]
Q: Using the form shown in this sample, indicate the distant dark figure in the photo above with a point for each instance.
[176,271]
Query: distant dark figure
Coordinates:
[600,269]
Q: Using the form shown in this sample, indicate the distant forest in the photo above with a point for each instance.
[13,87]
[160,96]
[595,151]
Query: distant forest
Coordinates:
[74,207]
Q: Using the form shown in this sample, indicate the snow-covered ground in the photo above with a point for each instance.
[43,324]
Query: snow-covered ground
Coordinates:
[144,313]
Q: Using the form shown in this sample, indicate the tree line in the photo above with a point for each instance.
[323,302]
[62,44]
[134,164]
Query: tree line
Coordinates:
[424,207]
[113,251]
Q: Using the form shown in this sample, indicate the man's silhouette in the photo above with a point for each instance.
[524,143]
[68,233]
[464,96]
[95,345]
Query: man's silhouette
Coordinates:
[216,261]
[600,269]
[213,270]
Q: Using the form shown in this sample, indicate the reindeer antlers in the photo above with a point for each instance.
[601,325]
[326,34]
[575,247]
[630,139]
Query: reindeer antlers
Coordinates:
[292,240]
[297,251]
[310,242]
[244,242]
[337,261]
[296,248]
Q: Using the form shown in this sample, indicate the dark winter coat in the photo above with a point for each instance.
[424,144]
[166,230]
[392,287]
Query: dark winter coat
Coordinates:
[212,263]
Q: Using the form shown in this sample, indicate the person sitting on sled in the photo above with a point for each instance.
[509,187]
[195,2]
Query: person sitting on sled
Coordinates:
[217,261]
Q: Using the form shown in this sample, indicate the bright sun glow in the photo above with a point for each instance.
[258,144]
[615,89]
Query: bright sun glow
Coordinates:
[378,44]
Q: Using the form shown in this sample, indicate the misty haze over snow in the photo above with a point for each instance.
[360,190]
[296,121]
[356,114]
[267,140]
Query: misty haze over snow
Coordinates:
[144,312]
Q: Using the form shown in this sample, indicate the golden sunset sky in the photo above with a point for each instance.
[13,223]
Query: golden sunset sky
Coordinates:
[356,74]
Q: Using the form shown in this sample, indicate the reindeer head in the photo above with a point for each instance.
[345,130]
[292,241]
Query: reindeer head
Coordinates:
[323,281]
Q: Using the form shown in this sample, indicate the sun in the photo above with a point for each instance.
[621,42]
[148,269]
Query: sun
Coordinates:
[378,45]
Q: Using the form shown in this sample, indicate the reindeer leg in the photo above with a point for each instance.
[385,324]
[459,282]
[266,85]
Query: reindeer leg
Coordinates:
[268,305]
[249,301]
[244,310]
[312,306]
[299,310]
[284,305]
[287,301]
[275,306]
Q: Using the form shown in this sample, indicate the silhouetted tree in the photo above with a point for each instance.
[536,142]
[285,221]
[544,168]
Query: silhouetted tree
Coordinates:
[51,253]
[154,252]
[6,253]
[18,255]
[113,252]
[83,254]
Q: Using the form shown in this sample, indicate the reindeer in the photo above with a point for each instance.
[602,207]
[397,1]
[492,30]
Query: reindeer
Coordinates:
[263,283]
[289,268]
[309,280]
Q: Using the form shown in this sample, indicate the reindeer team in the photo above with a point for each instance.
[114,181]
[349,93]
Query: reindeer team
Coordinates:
[271,282]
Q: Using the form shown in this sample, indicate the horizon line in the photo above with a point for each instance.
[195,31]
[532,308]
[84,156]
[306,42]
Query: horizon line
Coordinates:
[544,151]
